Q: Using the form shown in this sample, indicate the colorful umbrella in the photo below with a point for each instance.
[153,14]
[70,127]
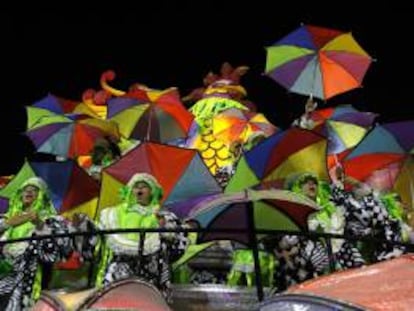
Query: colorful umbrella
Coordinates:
[383,157]
[70,136]
[343,126]
[35,115]
[181,172]
[271,210]
[162,120]
[280,156]
[398,177]
[71,188]
[317,61]
[63,106]
[236,124]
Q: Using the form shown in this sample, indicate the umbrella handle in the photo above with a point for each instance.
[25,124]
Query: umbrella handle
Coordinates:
[337,163]
[149,125]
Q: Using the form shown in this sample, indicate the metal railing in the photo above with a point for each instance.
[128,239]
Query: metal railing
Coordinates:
[253,244]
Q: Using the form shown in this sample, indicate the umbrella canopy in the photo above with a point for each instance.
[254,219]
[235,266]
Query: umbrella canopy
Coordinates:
[161,120]
[35,115]
[236,124]
[383,157]
[344,126]
[63,106]
[71,188]
[317,61]
[279,156]
[271,209]
[70,136]
[181,172]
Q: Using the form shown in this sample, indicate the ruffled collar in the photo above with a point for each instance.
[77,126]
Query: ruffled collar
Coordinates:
[143,210]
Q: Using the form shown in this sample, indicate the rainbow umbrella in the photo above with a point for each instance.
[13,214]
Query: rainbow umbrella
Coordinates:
[161,120]
[71,188]
[383,158]
[35,115]
[181,172]
[281,156]
[271,210]
[236,124]
[317,61]
[70,136]
[343,126]
[64,106]
[249,211]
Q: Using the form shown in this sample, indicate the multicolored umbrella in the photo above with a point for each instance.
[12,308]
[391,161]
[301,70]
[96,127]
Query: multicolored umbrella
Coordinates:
[35,115]
[236,124]
[161,121]
[343,126]
[270,210]
[280,156]
[71,188]
[317,61]
[181,172]
[70,136]
[383,157]
[63,106]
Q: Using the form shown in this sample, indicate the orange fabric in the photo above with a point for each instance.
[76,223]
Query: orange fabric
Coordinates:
[343,81]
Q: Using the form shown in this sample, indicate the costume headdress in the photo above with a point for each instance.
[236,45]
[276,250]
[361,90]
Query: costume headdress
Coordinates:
[151,181]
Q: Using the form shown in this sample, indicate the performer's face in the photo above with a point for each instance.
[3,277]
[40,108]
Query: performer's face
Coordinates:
[310,189]
[29,194]
[142,192]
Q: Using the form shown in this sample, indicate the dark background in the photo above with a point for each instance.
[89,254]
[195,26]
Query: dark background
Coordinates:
[175,43]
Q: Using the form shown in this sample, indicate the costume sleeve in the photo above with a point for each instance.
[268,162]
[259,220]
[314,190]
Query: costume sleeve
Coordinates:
[338,194]
[177,241]
[317,255]
[103,253]
[51,250]
[3,225]
[104,256]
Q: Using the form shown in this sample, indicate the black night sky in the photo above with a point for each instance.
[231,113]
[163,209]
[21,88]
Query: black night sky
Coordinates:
[175,43]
